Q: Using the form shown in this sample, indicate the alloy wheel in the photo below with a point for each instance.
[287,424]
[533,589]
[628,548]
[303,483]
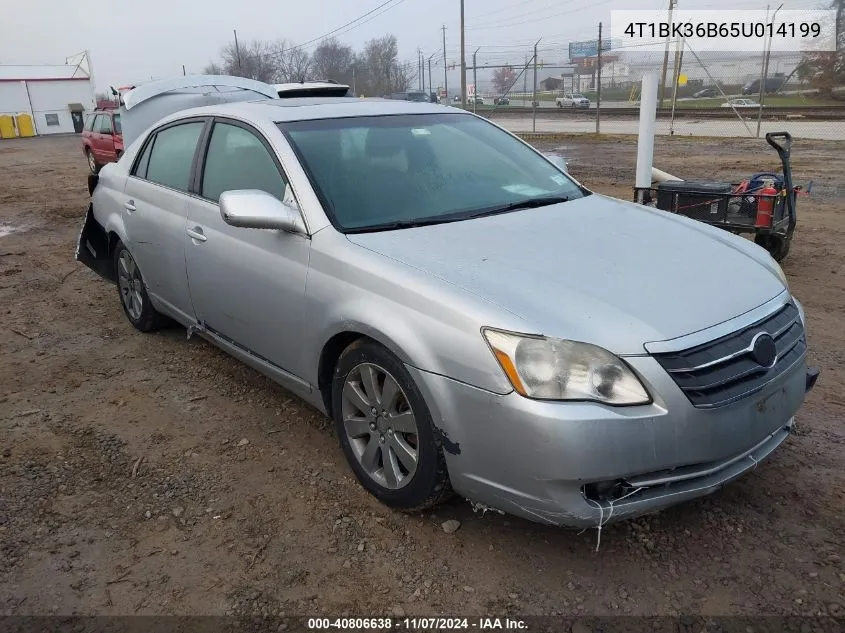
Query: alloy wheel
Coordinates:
[130,284]
[380,425]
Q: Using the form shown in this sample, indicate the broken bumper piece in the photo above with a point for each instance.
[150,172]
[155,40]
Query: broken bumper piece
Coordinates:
[582,464]
[92,247]
[812,377]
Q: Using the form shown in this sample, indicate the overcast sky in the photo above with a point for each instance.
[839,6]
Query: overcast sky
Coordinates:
[132,41]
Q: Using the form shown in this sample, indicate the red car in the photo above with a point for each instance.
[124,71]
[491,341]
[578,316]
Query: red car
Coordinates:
[102,138]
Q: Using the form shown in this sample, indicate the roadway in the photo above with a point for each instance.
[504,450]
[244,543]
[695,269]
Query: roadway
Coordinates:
[822,130]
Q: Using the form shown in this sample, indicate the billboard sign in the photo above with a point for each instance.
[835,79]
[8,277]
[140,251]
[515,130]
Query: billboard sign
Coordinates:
[587,49]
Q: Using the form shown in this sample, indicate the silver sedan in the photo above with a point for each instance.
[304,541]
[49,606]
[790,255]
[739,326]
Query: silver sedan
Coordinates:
[472,318]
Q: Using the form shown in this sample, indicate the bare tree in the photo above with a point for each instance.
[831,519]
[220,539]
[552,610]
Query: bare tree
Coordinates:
[292,63]
[332,60]
[381,73]
[826,70]
[254,60]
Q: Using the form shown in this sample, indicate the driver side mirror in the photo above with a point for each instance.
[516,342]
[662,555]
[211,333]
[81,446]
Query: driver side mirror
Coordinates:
[558,161]
[256,209]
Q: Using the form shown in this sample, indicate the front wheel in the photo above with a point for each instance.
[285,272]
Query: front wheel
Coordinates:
[385,429]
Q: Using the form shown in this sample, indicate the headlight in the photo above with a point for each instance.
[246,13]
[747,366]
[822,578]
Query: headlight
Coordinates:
[779,272]
[554,369]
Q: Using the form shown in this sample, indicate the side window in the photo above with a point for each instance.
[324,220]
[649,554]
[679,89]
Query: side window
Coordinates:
[172,154]
[105,124]
[237,159]
[144,161]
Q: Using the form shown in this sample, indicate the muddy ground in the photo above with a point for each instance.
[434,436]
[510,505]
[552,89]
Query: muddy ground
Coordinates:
[149,474]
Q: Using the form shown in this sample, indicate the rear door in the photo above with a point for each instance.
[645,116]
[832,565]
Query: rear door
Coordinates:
[105,141]
[154,211]
[247,285]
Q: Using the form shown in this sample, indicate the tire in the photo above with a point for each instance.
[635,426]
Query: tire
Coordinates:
[371,443]
[93,165]
[559,104]
[777,245]
[133,292]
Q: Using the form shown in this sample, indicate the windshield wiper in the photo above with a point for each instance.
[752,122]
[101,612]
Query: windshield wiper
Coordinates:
[528,203]
[403,224]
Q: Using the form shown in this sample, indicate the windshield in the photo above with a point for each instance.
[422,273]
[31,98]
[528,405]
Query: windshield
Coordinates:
[577,96]
[378,172]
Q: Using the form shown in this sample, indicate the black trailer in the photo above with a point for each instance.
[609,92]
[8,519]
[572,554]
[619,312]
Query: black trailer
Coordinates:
[744,207]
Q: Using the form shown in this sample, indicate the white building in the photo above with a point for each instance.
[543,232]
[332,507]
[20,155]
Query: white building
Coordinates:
[54,96]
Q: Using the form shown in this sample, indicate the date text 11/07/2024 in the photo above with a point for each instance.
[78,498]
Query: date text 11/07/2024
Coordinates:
[417,624]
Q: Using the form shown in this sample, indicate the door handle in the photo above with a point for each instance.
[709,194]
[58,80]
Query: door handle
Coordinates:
[129,205]
[197,234]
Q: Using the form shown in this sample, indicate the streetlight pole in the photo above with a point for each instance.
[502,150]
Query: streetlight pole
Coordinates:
[445,67]
[463,61]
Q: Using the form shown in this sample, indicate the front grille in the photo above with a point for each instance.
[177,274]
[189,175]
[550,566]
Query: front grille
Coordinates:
[723,371]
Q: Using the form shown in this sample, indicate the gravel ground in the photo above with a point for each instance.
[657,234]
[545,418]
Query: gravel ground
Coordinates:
[150,474]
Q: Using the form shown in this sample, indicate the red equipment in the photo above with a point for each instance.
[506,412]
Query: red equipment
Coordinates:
[765,205]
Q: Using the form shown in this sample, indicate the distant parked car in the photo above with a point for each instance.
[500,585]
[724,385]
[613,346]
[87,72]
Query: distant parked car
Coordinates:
[707,92]
[102,139]
[501,101]
[741,103]
[456,99]
[773,84]
[572,101]
[478,100]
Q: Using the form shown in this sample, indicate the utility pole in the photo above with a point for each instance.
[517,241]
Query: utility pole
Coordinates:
[183,70]
[237,49]
[598,87]
[765,74]
[354,92]
[679,60]
[422,68]
[474,81]
[445,68]
[463,61]
[672,4]
[534,93]
[525,81]
[430,85]
[419,74]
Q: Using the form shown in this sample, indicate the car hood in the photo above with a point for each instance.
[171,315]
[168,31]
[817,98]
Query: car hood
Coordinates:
[595,269]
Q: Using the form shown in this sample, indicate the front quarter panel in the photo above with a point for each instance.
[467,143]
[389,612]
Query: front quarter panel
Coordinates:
[425,321]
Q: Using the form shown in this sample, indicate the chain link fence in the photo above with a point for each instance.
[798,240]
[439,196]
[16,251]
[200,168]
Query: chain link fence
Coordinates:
[703,94]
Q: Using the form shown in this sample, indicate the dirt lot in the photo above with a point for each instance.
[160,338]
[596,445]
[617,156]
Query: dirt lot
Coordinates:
[154,475]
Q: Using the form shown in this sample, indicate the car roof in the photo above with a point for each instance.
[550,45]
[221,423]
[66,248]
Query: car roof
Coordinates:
[309,108]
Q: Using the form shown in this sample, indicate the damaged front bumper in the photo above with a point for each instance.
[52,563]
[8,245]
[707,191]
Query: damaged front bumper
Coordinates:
[93,248]
[580,464]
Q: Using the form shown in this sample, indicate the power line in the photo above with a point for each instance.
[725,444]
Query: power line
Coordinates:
[545,17]
[351,23]
[506,19]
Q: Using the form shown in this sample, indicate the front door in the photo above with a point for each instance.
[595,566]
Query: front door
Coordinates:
[154,210]
[247,285]
[78,123]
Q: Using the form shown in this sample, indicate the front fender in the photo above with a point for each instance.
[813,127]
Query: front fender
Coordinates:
[426,323]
